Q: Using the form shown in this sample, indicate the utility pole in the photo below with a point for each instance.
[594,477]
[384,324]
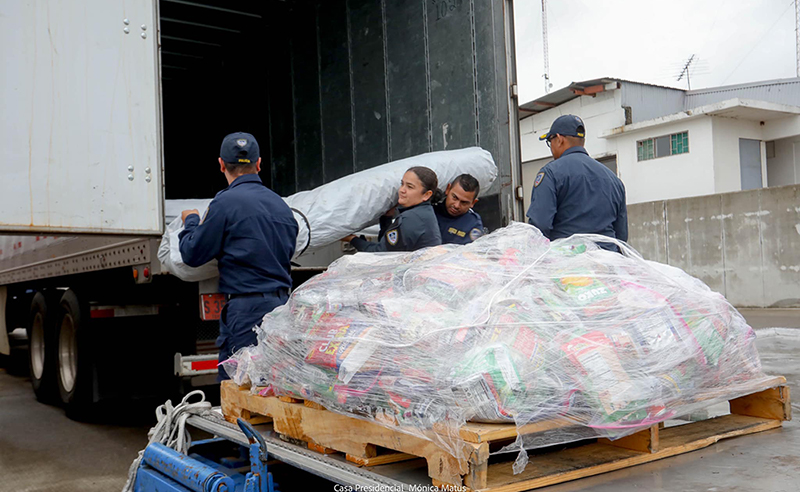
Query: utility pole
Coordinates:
[797,35]
[546,50]
[685,70]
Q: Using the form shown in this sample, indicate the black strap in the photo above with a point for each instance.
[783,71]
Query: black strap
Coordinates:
[274,293]
[308,226]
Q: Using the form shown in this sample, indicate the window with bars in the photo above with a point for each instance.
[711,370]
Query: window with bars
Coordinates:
[663,146]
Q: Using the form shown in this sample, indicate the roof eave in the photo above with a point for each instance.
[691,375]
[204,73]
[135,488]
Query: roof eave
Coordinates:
[707,110]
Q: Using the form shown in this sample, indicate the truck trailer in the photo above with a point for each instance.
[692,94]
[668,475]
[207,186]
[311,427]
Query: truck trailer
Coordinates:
[112,113]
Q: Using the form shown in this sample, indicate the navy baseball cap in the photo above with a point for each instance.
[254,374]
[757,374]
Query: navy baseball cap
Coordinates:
[239,148]
[567,125]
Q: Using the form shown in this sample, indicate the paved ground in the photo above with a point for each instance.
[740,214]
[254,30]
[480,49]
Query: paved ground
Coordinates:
[41,450]
[768,318]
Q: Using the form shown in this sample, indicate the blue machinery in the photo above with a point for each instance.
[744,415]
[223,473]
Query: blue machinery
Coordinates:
[207,468]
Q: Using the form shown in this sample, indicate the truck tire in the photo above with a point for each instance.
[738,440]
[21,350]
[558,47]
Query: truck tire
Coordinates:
[42,355]
[75,368]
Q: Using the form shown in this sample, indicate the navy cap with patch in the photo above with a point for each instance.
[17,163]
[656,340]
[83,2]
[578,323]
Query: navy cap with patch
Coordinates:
[239,148]
[567,125]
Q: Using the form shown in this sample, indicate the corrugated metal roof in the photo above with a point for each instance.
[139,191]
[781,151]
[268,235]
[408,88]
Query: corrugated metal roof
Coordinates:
[648,102]
[782,91]
[559,97]
[567,94]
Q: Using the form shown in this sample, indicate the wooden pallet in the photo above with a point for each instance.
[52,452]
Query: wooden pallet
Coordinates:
[371,444]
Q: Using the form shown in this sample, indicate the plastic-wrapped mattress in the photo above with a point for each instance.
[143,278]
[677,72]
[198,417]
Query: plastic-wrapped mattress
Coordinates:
[349,204]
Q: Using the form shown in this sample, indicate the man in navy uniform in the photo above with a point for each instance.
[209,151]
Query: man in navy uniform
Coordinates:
[458,223]
[252,233]
[575,194]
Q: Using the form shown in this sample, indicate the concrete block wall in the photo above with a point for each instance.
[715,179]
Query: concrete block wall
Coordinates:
[745,245]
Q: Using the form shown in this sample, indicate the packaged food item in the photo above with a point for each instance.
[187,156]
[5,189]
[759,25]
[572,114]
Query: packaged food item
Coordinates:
[337,342]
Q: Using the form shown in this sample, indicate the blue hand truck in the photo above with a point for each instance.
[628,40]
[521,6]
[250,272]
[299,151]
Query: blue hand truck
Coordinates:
[208,466]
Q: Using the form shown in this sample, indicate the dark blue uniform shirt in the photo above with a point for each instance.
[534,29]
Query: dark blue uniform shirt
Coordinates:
[414,228]
[575,194]
[458,230]
[250,231]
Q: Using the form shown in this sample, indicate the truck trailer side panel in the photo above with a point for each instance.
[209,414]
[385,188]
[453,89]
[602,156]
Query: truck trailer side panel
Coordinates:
[80,139]
[95,89]
[329,88]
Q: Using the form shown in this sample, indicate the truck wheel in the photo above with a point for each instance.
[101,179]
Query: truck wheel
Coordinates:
[42,356]
[75,374]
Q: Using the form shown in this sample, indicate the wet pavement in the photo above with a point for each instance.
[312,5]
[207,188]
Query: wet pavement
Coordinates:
[41,450]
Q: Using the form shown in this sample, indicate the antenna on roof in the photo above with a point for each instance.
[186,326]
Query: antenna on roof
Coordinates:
[547,84]
[685,71]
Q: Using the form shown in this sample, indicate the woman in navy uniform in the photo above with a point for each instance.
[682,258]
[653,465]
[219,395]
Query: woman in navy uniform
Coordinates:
[415,226]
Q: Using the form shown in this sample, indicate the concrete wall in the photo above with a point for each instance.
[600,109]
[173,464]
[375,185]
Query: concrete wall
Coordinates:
[745,245]
[689,174]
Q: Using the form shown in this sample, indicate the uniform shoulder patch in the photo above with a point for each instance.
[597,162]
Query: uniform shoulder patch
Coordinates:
[539,178]
[475,233]
[392,237]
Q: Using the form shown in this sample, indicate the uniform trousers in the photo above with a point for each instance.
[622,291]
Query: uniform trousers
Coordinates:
[237,320]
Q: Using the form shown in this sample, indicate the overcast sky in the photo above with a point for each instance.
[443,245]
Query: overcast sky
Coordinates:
[734,41]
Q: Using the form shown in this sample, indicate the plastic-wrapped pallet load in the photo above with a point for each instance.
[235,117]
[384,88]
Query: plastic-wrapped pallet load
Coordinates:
[510,328]
[349,204]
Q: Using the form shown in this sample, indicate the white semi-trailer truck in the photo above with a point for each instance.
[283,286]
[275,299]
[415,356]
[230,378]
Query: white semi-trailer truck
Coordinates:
[112,109]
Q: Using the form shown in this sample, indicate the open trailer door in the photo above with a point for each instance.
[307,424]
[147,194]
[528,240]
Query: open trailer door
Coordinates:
[80,117]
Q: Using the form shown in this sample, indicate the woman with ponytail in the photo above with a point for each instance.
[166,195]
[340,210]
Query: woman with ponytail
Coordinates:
[415,225]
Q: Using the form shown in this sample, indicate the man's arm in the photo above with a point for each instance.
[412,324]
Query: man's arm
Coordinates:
[201,243]
[362,244]
[544,202]
[621,224]
[477,229]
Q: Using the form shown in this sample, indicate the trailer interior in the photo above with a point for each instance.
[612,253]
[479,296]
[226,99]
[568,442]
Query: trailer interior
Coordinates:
[329,87]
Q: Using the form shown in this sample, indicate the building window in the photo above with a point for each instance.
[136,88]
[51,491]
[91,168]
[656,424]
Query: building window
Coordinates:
[680,143]
[645,149]
[663,146]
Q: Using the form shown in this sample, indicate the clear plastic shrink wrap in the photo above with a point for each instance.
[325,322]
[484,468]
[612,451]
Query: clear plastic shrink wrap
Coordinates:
[511,328]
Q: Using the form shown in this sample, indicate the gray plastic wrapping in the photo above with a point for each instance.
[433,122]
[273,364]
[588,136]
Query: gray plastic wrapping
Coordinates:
[344,206]
[357,201]
[511,328]
[169,253]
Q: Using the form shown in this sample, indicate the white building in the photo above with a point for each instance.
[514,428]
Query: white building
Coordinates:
[669,143]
